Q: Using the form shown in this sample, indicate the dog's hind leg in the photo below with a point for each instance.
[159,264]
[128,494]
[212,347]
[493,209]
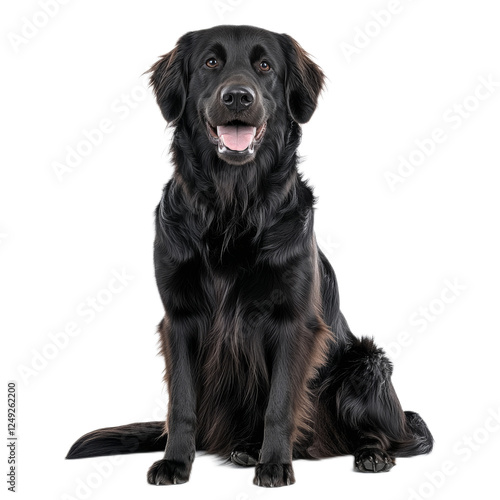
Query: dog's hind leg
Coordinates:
[369,415]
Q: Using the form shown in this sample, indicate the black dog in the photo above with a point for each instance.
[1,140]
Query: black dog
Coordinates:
[261,366]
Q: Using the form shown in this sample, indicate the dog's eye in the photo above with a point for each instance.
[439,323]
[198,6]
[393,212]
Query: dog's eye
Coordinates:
[212,62]
[264,66]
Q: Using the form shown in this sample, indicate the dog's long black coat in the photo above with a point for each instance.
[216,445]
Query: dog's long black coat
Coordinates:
[261,366]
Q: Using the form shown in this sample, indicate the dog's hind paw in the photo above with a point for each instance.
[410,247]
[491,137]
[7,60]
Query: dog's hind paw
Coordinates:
[169,472]
[373,460]
[273,475]
[243,459]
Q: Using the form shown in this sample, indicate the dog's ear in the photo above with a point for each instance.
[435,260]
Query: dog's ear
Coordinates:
[170,79]
[304,81]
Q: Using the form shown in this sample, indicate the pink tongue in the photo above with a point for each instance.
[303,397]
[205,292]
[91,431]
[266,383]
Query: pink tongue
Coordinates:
[236,137]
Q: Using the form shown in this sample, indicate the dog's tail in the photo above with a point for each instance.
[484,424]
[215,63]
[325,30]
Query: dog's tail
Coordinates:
[132,438]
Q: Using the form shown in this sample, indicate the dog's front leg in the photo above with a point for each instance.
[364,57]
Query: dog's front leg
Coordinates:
[175,467]
[275,460]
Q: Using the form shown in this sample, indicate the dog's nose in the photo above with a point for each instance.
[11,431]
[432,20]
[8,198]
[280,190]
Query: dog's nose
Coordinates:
[237,97]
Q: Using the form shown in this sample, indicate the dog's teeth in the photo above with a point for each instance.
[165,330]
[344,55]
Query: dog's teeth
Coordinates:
[221,146]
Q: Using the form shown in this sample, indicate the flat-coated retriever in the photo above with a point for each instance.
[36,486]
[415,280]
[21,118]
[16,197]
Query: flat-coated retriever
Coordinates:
[261,367]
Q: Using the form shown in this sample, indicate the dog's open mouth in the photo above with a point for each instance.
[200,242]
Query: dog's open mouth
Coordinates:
[236,137]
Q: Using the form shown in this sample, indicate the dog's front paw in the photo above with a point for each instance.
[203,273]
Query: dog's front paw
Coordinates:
[271,475]
[373,460]
[169,472]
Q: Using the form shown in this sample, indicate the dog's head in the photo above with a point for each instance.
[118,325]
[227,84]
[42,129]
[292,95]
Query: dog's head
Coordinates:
[230,85]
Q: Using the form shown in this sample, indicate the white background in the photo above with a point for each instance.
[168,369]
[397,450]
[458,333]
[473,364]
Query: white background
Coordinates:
[393,251]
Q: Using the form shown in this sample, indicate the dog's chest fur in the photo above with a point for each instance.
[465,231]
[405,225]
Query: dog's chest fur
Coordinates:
[234,358]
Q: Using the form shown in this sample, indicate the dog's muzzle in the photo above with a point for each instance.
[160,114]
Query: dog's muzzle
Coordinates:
[236,122]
